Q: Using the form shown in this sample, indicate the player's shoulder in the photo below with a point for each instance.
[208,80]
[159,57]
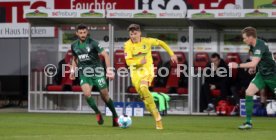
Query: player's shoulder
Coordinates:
[127,43]
[148,39]
[262,45]
[262,42]
[74,43]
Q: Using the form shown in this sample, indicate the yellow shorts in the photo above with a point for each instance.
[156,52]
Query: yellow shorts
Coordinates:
[141,74]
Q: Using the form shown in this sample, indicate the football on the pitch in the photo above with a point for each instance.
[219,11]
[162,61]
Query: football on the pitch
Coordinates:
[271,108]
[124,121]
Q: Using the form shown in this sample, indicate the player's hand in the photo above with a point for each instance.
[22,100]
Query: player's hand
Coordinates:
[110,74]
[252,71]
[72,76]
[174,59]
[233,65]
[212,87]
[144,61]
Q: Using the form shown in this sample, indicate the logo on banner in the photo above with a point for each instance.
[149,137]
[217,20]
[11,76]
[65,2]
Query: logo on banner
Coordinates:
[92,13]
[203,14]
[64,14]
[120,14]
[144,14]
[37,13]
[171,14]
[256,13]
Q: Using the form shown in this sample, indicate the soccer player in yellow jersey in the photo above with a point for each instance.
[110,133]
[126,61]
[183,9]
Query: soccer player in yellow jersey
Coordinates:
[139,59]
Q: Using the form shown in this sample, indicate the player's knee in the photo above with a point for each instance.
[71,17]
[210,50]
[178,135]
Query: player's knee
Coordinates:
[249,92]
[87,94]
[144,89]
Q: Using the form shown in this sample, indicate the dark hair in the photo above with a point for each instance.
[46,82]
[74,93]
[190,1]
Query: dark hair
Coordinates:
[250,31]
[274,53]
[215,55]
[134,27]
[81,27]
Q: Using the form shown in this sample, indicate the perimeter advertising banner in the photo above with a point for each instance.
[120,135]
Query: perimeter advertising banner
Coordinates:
[224,14]
[12,21]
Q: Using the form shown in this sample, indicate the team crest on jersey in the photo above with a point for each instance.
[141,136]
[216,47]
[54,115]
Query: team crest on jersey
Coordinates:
[257,52]
[144,46]
[88,49]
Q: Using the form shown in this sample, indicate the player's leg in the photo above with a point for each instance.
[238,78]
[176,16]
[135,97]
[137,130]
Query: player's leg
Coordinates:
[86,86]
[256,84]
[102,86]
[109,103]
[149,101]
[271,84]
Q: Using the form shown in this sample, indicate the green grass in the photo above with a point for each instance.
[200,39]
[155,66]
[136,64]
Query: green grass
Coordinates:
[32,126]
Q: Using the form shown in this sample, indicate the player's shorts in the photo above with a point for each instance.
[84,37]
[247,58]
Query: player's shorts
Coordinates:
[142,74]
[260,82]
[99,82]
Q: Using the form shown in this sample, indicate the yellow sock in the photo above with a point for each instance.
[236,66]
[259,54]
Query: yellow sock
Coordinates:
[149,102]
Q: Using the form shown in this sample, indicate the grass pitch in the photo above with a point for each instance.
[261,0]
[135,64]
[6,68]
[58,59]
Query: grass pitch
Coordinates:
[33,126]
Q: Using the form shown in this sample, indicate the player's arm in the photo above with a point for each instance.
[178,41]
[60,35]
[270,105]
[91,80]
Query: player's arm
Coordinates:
[165,46]
[101,51]
[252,64]
[73,68]
[109,72]
[130,61]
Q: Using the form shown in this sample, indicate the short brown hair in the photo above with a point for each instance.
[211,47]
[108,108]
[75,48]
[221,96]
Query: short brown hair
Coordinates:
[250,31]
[134,27]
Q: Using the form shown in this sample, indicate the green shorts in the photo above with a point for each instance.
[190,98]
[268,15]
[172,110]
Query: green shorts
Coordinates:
[99,82]
[261,83]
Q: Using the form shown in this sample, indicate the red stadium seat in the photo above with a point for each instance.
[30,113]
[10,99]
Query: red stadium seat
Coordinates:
[233,57]
[66,78]
[119,59]
[182,90]
[173,78]
[76,88]
[201,60]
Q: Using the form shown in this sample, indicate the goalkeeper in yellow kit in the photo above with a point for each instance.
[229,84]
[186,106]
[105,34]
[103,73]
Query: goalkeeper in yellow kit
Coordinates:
[139,59]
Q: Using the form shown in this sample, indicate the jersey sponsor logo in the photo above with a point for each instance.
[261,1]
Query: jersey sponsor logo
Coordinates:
[258,52]
[88,49]
[84,57]
[274,90]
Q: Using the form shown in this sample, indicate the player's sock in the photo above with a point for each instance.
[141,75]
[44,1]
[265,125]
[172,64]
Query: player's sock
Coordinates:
[92,104]
[249,108]
[149,102]
[110,105]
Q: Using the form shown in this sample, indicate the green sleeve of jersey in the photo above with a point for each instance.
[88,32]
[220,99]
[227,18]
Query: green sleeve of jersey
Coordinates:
[259,51]
[73,52]
[98,47]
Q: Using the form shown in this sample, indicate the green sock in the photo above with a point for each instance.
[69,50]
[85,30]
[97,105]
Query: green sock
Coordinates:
[110,105]
[249,108]
[92,104]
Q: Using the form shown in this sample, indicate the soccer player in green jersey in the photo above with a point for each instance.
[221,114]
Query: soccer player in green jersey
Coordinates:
[266,75]
[91,72]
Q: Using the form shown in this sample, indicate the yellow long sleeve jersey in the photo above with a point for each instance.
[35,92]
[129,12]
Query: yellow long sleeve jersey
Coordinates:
[135,52]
